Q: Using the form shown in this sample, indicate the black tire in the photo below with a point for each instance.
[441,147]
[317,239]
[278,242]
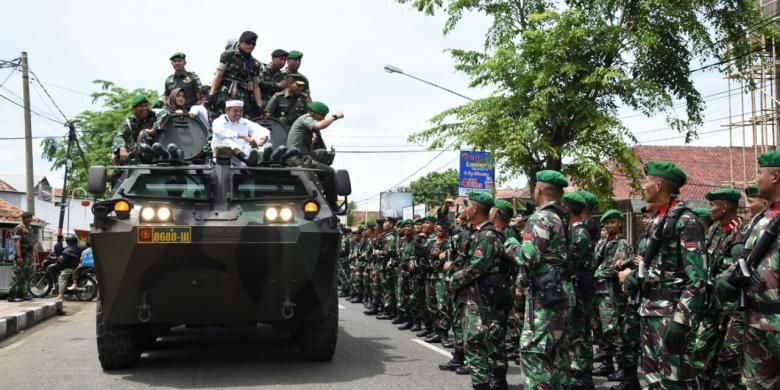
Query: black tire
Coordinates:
[317,338]
[40,284]
[87,288]
[119,346]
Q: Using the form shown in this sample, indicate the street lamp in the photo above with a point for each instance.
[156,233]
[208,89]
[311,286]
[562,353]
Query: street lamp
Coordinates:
[395,69]
[67,228]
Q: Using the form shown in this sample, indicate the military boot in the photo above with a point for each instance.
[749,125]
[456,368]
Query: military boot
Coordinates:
[498,378]
[605,369]
[427,331]
[618,375]
[399,318]
[482,386]
[601,356]
[408,325]
[434,337]
[630,382]
[446,342]
[417,326]
[457,360]
[356,299]
[373,310]
[463,370]
[385,315]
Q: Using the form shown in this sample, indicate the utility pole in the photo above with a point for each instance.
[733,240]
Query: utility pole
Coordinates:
[27,134]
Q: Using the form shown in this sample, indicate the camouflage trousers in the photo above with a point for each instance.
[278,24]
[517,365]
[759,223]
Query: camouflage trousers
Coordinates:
[515,321]
[402,291]
[484,331]
[357,278]
[458,315]
[368,271]
[761,367]
[431,304]
[343,274]
[417,297]
[611,311]
[251,109]
[630,337]
[20,278]
[387,277]
[718,348]
[443,301]
[660,369]
[543,343]
[581,342]
[376,283]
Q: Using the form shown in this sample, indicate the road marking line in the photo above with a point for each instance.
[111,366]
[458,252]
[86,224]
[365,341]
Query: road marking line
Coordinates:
[432,348]
[342,307]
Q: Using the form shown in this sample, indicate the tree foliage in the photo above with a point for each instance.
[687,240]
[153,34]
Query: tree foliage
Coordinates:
[559,71]
[433,188]
[95,130]
[351,208]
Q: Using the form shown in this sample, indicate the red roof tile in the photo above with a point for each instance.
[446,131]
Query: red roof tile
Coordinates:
[12,214]
[5,187]
[707,168]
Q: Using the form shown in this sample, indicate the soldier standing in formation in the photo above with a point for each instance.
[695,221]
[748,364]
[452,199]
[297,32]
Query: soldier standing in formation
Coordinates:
[26,251]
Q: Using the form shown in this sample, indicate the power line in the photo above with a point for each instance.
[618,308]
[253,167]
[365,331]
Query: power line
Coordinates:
[65,88]
[37,80]
[31,111]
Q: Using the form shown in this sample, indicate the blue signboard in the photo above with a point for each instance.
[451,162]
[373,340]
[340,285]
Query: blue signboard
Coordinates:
[477,172]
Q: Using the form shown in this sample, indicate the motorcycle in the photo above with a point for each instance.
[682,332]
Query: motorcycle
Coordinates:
[44,281]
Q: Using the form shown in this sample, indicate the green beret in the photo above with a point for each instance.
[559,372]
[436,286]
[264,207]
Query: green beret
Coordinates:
[429,218]
[666,170]
[752,191]
[294,55]
[504,206]
[552,177]
[138,100]
[319,107]
[407,222]
[702,212]
[371,225]
[360,229]
[769,159]
[27,214]
[178,54]
[590,199]
[724,194]
[574,198]
[610,214]
[482,197]
[418,221]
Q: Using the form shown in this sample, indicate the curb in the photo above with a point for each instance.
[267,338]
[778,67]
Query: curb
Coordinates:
[12,324]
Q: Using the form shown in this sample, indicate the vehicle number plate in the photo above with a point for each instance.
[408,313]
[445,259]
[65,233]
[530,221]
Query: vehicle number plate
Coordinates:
[164,234]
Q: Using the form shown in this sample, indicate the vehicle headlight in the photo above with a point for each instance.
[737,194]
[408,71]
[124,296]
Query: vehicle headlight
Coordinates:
[271,214]
[286,214]
[163,214]
[147,214]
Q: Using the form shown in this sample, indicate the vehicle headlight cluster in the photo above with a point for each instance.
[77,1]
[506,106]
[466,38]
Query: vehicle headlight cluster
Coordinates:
[156,214]
[282,214]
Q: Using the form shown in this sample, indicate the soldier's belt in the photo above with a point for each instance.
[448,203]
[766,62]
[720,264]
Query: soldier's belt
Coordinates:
[767,308]
[662,292]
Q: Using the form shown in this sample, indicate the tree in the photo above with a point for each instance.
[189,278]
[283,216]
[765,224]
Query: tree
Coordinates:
[96,130]
[560,70]
[351,207]
[433,188]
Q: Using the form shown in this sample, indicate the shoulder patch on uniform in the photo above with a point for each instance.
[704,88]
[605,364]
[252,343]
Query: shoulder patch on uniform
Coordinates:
[691,244]
[528,235]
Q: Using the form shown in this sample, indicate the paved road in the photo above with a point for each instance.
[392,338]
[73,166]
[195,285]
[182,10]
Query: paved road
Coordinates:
[371,354]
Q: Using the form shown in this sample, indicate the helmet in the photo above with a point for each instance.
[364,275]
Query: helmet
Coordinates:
[71,240]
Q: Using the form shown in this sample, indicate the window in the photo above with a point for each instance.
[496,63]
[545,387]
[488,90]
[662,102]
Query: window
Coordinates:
[179,186]
[254,187]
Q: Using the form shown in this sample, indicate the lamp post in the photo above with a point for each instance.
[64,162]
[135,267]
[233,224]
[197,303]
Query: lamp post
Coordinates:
[395,69]
[70,198]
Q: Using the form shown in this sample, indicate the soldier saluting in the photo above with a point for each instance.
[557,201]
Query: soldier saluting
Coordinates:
[672,294]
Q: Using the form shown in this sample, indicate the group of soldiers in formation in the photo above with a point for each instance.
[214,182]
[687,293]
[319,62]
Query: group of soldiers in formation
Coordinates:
[243,89]
[694,304]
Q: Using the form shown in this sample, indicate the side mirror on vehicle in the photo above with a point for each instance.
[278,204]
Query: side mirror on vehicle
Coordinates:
[343,184]
[96,180]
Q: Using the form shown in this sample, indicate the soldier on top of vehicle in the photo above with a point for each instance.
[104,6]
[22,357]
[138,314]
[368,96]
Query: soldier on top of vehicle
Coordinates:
[142,118]
[290,104]
[189,82]
[293,65]
[238,77]
[273,78]
[174,106]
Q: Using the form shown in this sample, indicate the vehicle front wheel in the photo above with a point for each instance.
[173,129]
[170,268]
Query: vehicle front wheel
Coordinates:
[119,346]
[317,338]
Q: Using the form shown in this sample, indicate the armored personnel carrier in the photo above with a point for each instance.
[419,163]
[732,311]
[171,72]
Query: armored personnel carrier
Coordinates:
[191,240]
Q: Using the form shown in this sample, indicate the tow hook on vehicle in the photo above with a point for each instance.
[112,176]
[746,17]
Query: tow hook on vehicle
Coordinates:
[288,307]
[144,310]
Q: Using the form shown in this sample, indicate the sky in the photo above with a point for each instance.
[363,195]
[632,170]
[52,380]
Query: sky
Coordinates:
[346,44]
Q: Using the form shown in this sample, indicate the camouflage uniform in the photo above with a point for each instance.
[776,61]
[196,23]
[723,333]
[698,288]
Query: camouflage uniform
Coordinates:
[359,264]
[610,302]
[269,82]
[761,366]
[377,267]
[287,107]
[387,256]
[306,89]
[582,263]
[711,335]
[407,253]
[439,311]
[241,73]
[343,276]
[674,291]
[459,236]
[542,254]
[189,82]
[22,272]
[430,278]
[131,129]
[484,322]
[417,280]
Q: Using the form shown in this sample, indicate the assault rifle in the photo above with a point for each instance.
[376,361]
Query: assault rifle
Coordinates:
[751,278]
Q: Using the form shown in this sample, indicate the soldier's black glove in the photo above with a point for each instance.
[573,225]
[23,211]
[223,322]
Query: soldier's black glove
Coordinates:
[674,337]
[726,290]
